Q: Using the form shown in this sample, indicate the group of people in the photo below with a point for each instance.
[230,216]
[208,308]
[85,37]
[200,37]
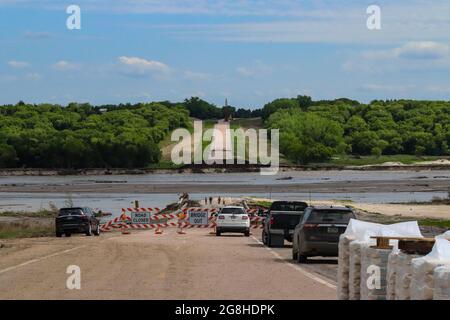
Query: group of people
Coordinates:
[210,199]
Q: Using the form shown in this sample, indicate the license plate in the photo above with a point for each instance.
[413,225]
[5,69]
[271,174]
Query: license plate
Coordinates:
[333,230]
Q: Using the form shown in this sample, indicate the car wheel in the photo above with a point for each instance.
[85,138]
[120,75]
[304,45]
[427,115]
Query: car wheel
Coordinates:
[264,238]
[58,234]
[68,235]
[268,240]
[97,230]
[89,231]
[217,233]
[302,259]
[247,233]
[294,254]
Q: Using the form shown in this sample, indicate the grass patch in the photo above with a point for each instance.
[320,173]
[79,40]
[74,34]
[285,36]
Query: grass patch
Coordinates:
[435,223]
[373,160]
[164,164]
[23,214]
[260,203]
[255,123]
[26,229]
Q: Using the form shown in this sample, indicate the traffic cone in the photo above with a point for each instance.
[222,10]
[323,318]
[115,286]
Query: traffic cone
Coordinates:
[181,219]
[124,230]
[180,229]
[158,230]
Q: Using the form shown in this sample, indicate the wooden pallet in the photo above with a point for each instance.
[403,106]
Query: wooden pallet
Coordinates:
[384,242]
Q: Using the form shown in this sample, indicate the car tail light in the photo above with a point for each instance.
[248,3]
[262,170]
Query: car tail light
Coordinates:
[244,217]
[221,217]
[271,221]
[84,218]
[310,225]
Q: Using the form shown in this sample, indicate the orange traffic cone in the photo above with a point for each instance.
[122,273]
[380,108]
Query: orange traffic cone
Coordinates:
[180,228]
[124,230]
[158,230]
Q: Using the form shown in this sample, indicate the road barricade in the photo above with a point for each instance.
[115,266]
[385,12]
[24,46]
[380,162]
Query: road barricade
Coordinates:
[187,218]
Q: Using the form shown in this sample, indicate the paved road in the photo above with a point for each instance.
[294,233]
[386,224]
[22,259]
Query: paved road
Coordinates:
[169,266]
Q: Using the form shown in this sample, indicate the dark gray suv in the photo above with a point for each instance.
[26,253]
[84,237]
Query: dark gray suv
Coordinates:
[77,220]
[318,232]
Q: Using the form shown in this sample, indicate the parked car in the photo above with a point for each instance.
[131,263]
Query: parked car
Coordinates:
[233,219]
[280,222]
[318,232]
[77,220]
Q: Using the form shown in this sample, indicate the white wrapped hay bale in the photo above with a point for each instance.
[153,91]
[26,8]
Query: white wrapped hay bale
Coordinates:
[374,264]
[354,278]
[423,282]
[403,275]
[442,283]
[343,267]
[362,231]
[391,274]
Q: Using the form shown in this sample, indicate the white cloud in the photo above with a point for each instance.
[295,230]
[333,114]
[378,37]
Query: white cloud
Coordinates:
[33,76]
[441,89]
[425,50]
[141,67]
[192,75]
[373,87]
[63,65]
[18,64]
[303,21]
[258,68]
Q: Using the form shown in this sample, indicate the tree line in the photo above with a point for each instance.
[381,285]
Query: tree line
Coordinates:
[128,135]
[83,136]
[312,131]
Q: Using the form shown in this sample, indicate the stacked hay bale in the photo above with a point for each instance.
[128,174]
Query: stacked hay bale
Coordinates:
[354,278]
[442,283]
[391,274]
[354,246]
[373,261]
[423,281]
[403,275]
[343,267]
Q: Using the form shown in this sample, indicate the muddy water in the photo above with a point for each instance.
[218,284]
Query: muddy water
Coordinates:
[112,202]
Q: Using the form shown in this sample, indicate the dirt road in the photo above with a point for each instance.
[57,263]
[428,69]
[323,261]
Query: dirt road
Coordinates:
[169,266]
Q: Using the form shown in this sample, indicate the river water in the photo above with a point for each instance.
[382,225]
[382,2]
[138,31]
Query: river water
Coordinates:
[113,202]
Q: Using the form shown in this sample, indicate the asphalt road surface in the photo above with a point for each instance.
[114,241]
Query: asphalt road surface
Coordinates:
[143,265]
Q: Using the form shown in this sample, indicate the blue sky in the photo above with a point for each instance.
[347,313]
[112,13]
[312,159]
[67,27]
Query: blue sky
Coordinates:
[250,51]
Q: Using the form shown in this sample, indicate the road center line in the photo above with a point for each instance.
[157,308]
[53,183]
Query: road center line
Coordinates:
[298,268]
[40,259]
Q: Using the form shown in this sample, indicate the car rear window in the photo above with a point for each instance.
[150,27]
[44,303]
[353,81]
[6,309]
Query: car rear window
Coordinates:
[70,212]
[335,216]
[288,206]
[232,211]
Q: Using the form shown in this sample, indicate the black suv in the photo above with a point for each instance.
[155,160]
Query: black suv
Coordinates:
[318,232]
[77,220]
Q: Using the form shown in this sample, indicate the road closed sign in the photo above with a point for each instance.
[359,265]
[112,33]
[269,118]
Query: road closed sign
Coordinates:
[198,218]
[140,217]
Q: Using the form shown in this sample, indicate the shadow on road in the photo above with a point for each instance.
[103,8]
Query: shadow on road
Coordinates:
[310,261]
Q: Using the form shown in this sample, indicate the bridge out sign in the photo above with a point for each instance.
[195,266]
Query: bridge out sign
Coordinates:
[140,217]
[198,217]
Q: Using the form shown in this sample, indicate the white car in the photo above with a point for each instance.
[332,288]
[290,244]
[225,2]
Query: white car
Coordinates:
[233,219]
